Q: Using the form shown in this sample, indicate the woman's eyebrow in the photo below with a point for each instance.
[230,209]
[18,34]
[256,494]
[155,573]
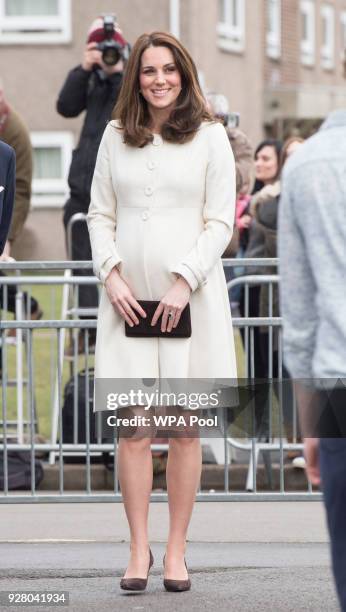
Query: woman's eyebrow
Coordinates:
[165,65]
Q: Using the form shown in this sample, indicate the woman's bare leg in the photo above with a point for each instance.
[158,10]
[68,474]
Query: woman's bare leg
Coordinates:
[135,468]
[183,474]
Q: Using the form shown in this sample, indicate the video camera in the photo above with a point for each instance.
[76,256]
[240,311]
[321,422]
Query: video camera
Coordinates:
[112,50]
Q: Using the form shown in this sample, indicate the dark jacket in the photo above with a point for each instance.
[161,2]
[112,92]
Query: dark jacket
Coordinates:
[96,94]
[16,135]
[7,181]
[266,214]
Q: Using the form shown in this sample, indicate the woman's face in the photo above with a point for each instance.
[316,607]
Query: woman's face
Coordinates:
[266,164]
[159,78]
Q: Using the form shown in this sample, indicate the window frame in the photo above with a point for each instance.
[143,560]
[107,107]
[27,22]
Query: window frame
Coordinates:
[328,47]
[273,39]
[21,30]
[52,192]
[343,35]
[308,46]
[231,37]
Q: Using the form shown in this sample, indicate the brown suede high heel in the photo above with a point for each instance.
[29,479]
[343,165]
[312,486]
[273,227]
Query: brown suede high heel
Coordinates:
[137,584]
[176,585]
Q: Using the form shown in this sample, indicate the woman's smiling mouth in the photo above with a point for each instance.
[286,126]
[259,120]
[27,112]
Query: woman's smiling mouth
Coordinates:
[159,92]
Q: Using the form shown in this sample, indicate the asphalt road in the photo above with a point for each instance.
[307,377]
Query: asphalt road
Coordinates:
[242,557]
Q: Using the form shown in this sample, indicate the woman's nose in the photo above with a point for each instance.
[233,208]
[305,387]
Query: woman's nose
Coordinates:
[160,77]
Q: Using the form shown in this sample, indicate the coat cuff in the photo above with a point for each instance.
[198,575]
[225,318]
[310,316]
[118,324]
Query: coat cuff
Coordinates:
[107,267]
[186,272]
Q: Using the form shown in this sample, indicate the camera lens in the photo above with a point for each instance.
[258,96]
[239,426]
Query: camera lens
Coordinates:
[110,56]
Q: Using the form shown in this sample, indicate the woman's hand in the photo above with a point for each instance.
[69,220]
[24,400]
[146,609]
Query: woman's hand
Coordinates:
[121,298]
[244,221]
[173,302]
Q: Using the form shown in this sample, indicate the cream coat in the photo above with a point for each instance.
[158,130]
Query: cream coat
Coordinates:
[155,212]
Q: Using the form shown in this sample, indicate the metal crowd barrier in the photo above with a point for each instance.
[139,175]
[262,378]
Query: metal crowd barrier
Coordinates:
[19,433]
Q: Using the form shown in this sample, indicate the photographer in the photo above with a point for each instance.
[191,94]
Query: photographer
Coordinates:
[93,86]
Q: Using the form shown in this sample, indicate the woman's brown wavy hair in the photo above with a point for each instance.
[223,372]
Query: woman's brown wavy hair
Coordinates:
[131,108]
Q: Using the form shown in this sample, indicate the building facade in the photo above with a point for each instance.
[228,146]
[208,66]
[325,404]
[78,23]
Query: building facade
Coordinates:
[304,79]
[279,62]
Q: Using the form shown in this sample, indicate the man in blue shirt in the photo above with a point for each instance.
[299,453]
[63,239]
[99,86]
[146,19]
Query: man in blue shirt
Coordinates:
[7,190]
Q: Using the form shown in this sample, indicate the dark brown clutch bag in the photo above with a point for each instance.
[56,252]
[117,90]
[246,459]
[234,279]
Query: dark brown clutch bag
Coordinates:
[145,330]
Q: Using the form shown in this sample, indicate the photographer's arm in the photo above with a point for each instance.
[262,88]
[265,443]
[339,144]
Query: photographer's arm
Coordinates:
[218,213]
[72,98]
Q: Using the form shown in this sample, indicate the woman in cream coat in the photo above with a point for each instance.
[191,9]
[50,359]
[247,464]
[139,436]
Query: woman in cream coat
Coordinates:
[160,217]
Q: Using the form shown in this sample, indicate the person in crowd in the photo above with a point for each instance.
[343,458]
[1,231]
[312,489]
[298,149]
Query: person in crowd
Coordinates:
[91,87]
[159,223]
[14,133]
[7,190]
[265,211]
[311,247]
[267,187]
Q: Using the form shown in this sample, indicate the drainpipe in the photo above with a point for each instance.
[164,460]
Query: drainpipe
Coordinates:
[174,17]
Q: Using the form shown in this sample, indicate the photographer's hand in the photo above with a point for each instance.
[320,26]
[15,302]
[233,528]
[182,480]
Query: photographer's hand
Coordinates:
[122,299]
[174,301]
[91,57]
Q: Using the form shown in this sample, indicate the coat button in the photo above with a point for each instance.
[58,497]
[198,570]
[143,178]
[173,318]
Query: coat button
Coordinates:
[145,215]
[151,165]
[148,191]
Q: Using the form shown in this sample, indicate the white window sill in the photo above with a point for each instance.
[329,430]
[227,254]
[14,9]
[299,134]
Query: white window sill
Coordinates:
[307,61]
[327,63]
[274,54]
[37,38]
[48,201]
[230,45]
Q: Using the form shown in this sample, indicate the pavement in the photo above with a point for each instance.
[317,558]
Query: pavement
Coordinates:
[242,556]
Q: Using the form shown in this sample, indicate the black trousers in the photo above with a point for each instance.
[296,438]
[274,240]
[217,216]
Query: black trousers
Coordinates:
[333,479]
[81,251]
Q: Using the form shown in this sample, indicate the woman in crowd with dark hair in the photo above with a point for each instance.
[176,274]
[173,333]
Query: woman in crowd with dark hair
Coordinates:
[267,187]
[160,217]
[270,157]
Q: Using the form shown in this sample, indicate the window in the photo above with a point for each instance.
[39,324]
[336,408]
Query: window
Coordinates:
[231,26]
[52,157]
[343,35]
[307,42]
[273,38]
[328,36]
[35,21]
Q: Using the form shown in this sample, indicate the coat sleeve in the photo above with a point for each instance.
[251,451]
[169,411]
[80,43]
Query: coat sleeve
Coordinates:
[218,212]
[72,98]
[297,286]
[101,217]
[8,203]
[24,168]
